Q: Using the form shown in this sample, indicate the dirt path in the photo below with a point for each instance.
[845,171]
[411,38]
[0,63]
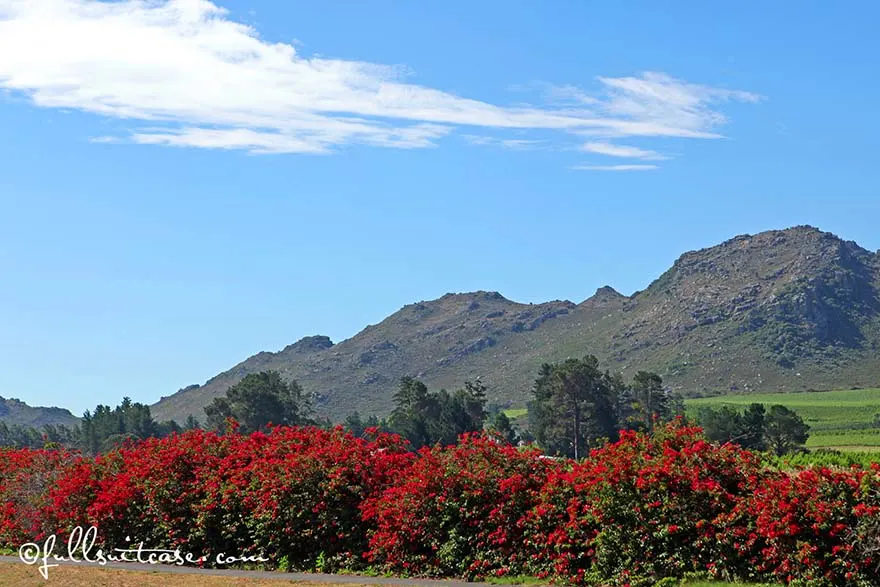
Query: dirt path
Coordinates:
[11,563]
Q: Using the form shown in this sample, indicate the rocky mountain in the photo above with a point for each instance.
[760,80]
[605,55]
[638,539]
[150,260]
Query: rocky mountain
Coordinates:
[781,310]
[13,411]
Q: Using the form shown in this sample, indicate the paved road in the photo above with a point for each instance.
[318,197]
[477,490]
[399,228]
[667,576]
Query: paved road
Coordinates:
[313,577]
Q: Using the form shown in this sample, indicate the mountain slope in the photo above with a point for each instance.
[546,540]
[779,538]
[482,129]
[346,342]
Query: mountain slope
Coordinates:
[781,310]
[425,340]
[13,411]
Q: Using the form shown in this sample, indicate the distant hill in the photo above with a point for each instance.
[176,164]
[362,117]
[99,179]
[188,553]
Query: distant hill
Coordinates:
[13,411]
[783,310]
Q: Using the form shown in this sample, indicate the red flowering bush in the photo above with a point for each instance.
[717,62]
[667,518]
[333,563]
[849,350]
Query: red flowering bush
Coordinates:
[153,491]
[815,526]
[26,476]
[70,498]
[640,509]
[293,493]
[301,492]
[457,510]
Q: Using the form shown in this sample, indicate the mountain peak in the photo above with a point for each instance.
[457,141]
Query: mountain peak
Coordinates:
[454,303]
[604,295]
[799,251]
[308,344]
[473,295]
[15,411]
[606,291]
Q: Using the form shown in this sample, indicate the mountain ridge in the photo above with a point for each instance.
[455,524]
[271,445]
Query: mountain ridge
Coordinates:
[16,412]
[791,309]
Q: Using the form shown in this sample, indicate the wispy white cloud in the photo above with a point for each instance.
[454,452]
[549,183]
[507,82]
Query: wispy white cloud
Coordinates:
[512,144]
[614,167]
[479,140]
[612,150]
[520,144]
[199,79]
[420,135]
[659,98]
[566,95]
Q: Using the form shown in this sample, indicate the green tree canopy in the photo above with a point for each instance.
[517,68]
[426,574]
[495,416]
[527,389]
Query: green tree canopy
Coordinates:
[727,424]
[646,400]
[754,428]
[426,418]
[575,404]
[258,400]
[500,425]
[780,430]
[129,420]
[785,431]
[358,425]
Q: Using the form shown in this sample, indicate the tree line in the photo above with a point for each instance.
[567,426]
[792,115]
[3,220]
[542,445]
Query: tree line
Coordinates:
[780,430]
[97,431]
[575,406]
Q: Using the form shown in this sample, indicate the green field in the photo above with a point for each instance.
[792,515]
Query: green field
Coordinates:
[841,420]
[513,413]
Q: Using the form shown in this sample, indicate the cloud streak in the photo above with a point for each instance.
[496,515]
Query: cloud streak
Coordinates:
[185,75]
[622,151]
[614,167]
[511,144]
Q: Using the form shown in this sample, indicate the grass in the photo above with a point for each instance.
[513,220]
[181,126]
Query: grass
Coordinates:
[840,420]
[515,413]
[849,439]
[822,410]
[855,448]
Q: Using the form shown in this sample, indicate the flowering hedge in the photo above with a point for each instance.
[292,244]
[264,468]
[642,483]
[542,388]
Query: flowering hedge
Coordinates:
[294,493]
[26,478]
[641,509]
[456,511]
[634,512]
[816,525]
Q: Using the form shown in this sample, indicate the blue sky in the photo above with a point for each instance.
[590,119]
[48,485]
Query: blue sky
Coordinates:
[184,184]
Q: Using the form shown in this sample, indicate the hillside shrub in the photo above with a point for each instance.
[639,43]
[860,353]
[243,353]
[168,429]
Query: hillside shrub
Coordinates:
[294,493]
[26,477]
[302,492]
[456,512]
[641,509]
[816,526]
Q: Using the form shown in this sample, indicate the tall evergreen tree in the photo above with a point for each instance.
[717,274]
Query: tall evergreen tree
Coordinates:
[413,409]
[426,418]
[575,404]
[785,432]
[105,428]
[650,399]
[754,427]
[722,425]
[258,400]
[501,426]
